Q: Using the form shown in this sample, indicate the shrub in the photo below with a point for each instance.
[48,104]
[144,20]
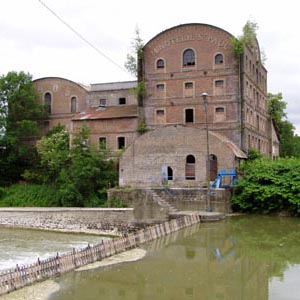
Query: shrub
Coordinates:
[269,186]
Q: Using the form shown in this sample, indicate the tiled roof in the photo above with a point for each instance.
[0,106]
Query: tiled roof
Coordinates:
[108,112]
[234,148]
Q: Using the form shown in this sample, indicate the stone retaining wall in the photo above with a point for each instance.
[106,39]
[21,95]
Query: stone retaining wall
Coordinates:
[89,220]
[146,200]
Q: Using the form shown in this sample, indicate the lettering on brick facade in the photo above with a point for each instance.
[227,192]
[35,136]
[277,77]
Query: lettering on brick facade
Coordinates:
[190,37]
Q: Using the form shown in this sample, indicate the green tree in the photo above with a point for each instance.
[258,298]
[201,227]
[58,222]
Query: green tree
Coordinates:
[85,180]
[54,155]
[289,142]
[20,116]
[133,58]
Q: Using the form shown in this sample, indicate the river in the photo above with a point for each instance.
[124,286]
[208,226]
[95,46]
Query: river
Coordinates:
[240,258]
[24,246]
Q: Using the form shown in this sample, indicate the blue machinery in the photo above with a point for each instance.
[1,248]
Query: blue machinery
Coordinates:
[225,179]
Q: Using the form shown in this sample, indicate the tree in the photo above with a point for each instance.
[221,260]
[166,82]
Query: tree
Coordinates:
[20,117]
[133,58]
[289,142]
[86,178]
[80,174]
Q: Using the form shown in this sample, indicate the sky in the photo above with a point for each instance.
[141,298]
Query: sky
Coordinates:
[34,40]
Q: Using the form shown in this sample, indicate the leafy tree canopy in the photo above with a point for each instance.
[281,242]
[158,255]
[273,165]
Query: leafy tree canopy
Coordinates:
[289,142]
[20,115]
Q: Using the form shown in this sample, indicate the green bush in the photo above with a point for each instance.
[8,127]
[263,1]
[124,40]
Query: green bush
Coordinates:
[268,186]
[29,195]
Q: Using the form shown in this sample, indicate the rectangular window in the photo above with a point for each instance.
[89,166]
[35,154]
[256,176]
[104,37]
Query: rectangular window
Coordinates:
[189,115]
[121,142]
[188,85]
[160,86]
[220,114]
[219,83]
[102,102]
[160,116]
[102,143]
[219,87]
[122,101]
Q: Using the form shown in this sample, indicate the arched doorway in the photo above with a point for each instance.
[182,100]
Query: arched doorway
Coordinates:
[190,167]
[213,160]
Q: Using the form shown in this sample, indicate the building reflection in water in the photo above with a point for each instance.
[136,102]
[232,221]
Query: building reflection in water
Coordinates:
[206,261]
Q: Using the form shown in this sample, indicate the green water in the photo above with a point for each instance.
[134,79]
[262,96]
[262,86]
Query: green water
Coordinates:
[240,258]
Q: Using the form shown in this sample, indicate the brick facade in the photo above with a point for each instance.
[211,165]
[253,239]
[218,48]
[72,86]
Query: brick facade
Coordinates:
[178,66]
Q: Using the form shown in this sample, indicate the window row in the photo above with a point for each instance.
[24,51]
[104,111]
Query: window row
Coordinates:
[255,96]
[48,103]
[255,73]
[121,101]
[73,102]
[255,142]
[121,143]
[189,115]
[189,59]
[257,121]
[190,168]
[189,88]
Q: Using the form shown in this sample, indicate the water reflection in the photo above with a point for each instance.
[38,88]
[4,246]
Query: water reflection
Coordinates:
[234,259]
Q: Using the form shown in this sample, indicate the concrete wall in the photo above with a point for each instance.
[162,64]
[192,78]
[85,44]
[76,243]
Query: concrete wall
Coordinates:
[90,220]
[145,209]
[146,201]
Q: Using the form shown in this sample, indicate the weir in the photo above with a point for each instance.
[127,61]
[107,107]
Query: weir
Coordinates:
[21,276]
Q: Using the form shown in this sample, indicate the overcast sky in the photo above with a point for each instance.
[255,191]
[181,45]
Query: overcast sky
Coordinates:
[33,40]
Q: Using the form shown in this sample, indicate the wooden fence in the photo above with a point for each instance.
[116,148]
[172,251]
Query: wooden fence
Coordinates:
[21,276]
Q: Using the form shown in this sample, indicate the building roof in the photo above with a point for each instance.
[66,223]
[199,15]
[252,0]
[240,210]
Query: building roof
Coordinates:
[125,85]
[108,112]
[234,148]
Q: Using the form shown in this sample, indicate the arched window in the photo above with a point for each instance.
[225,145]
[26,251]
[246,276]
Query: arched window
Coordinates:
[73,105]
[160,64]
[189,58]
[219,59]
[170,173]
[190,167]
[47,102]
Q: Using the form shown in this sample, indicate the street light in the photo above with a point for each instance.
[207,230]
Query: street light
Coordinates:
[208,208]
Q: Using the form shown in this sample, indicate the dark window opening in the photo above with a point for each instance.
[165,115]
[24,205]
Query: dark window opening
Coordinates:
[219,59]
[48,101]
[73,105]
[213,161]
[160,64]
[189,85]
[122,101]
[190,167]
[121,142]
[102,143]
[219,83]
[102,102]
[170,173]
[189,116]
[189,58]
[220,109]
[160,86]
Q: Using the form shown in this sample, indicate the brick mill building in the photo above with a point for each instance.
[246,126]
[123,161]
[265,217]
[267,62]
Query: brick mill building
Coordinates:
[182,68]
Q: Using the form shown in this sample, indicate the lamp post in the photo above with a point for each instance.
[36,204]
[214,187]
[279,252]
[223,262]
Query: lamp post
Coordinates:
[208,208]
